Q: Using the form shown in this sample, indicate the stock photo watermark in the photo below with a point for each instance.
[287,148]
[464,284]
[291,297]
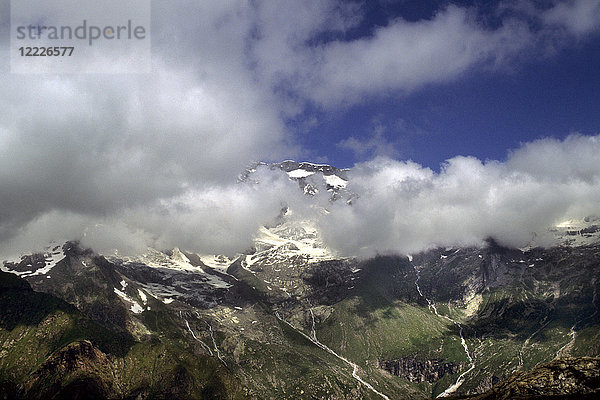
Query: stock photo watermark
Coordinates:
[69,36]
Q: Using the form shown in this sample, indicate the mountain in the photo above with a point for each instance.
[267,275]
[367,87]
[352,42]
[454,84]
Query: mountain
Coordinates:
[311,178]
[50,349]
[291,318]
[567,378]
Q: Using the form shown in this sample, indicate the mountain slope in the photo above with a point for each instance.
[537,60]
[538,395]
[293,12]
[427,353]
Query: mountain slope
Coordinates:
[387,315]
[50,350]
[566,378]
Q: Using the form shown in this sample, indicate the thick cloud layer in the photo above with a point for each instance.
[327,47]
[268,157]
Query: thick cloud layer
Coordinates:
[152,158]
[405,208]
[402,207]
[221,219]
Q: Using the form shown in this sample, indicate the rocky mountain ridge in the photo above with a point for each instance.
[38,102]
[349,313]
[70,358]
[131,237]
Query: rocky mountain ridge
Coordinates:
[566,378]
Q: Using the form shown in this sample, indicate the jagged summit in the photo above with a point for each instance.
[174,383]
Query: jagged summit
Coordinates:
[312,178]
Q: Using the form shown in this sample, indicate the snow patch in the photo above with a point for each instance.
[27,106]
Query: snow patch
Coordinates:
[143,297]
[335,181]
[299,173]
[218,262]
[135,307]
[290,239]
[53,256]
[179,262]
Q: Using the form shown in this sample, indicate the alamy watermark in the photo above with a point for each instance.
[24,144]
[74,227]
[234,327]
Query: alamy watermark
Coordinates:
[80,36]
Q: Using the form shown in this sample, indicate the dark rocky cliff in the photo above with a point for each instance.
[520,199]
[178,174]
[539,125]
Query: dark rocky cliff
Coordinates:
[566,378]
[419,371]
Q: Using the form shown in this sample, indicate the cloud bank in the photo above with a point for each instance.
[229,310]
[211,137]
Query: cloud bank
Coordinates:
[404,207]
[151,159]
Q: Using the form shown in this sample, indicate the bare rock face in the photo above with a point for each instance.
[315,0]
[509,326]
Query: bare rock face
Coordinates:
[419,371]
[486,384]
[562,378]
[79,370]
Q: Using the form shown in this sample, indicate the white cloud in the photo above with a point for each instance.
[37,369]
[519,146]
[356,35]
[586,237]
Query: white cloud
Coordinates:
[219,219]
[375,144]
[94,144]
[403,56]
[404,207]
[579,17]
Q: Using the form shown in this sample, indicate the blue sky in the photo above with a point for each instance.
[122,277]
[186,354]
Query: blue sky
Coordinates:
[483,113]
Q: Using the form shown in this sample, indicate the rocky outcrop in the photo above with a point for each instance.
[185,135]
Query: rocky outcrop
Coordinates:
[77,371]
[419,371]
[571,378]
[486,384]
